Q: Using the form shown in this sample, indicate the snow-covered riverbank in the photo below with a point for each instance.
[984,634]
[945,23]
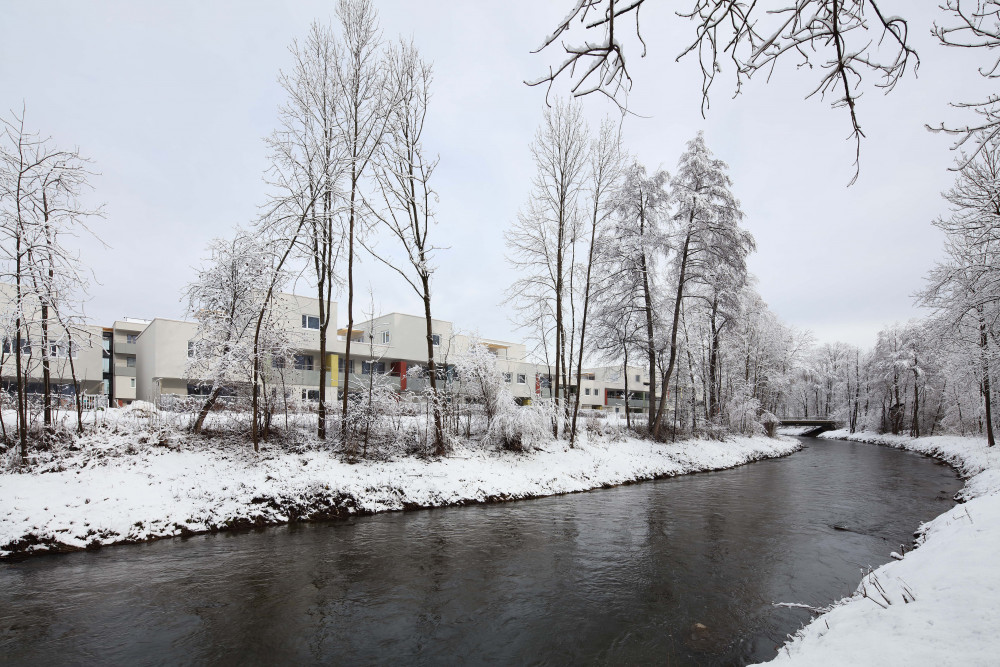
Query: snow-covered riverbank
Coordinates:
[939,604]
[144,491]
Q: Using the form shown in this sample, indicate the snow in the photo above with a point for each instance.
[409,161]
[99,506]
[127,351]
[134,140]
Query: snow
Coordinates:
[936,605]
[123,487]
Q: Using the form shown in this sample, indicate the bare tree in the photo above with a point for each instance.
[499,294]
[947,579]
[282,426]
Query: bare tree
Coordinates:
[40,204]
[751,36]
[403,174]
[361,124]
[308,161]
[603,179]
[540,242]
[975,25]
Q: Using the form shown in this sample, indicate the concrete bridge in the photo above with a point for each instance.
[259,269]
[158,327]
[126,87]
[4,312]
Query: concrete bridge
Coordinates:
[817,424]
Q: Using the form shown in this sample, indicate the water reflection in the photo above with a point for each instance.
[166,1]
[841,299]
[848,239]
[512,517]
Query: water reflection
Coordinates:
[680,571]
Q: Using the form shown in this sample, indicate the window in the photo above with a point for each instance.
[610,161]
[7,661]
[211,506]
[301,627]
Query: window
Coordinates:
[277,362]
[303,362]
[107,387]
[507,377]
[436,339]
[131,382]
[130,362]
[190,349]
[131,338]
[586,391]
[59,350]
[340,364]
[385,337]
[521,379]
[368,367]
[310,394]
[597,392]
[638,378]
[310,322]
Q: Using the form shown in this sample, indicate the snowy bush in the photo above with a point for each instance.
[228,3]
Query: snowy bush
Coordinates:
[519,429]
[742,411]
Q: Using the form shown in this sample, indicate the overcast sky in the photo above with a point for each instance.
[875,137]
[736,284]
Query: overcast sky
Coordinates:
[171,100]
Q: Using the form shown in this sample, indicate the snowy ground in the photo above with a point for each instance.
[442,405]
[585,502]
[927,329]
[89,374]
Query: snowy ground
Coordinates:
[126,489]
[939,604]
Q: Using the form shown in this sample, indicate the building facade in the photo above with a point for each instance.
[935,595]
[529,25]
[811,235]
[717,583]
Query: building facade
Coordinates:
[150,360]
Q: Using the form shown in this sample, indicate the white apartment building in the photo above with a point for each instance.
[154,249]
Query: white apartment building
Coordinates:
[150,359]
[82,356]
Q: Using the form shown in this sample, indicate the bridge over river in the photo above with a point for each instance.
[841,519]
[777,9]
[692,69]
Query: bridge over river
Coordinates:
[817,424]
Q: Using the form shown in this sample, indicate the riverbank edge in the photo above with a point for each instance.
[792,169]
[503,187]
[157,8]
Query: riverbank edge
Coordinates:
[926,606]
[257,502]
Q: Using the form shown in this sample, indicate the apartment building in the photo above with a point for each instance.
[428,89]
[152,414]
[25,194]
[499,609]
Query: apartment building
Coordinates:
[122,343]
[77,352]
[395,344]
[151,359]
[165,348]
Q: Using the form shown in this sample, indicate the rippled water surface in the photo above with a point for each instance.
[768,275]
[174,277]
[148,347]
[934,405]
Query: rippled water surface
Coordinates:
[673,572]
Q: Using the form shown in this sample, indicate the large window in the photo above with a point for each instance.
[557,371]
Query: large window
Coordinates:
[436,339]
[303,362]
[310,322]
[368,367]
[310,394]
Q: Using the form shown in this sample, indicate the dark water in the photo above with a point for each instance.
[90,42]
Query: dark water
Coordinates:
[617,576]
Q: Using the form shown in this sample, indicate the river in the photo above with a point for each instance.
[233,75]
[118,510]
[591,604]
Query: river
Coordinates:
[673,572]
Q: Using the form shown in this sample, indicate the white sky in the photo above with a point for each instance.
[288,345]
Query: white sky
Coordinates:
[171,100]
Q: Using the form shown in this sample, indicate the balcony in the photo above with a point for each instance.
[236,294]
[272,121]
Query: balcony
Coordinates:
[125,348]
[125,371]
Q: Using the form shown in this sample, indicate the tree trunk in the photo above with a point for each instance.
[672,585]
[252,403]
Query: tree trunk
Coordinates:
[350,302]
[673,333]
[439,449]
[714,409]
[985,363]
[650,341]
[209,404]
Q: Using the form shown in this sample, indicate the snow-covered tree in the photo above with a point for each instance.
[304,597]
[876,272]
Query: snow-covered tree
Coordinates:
[232,290]
[635,249]
[41,210]
[708,241]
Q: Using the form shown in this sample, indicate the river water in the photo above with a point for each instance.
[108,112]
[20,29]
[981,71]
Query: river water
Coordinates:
[672,572]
